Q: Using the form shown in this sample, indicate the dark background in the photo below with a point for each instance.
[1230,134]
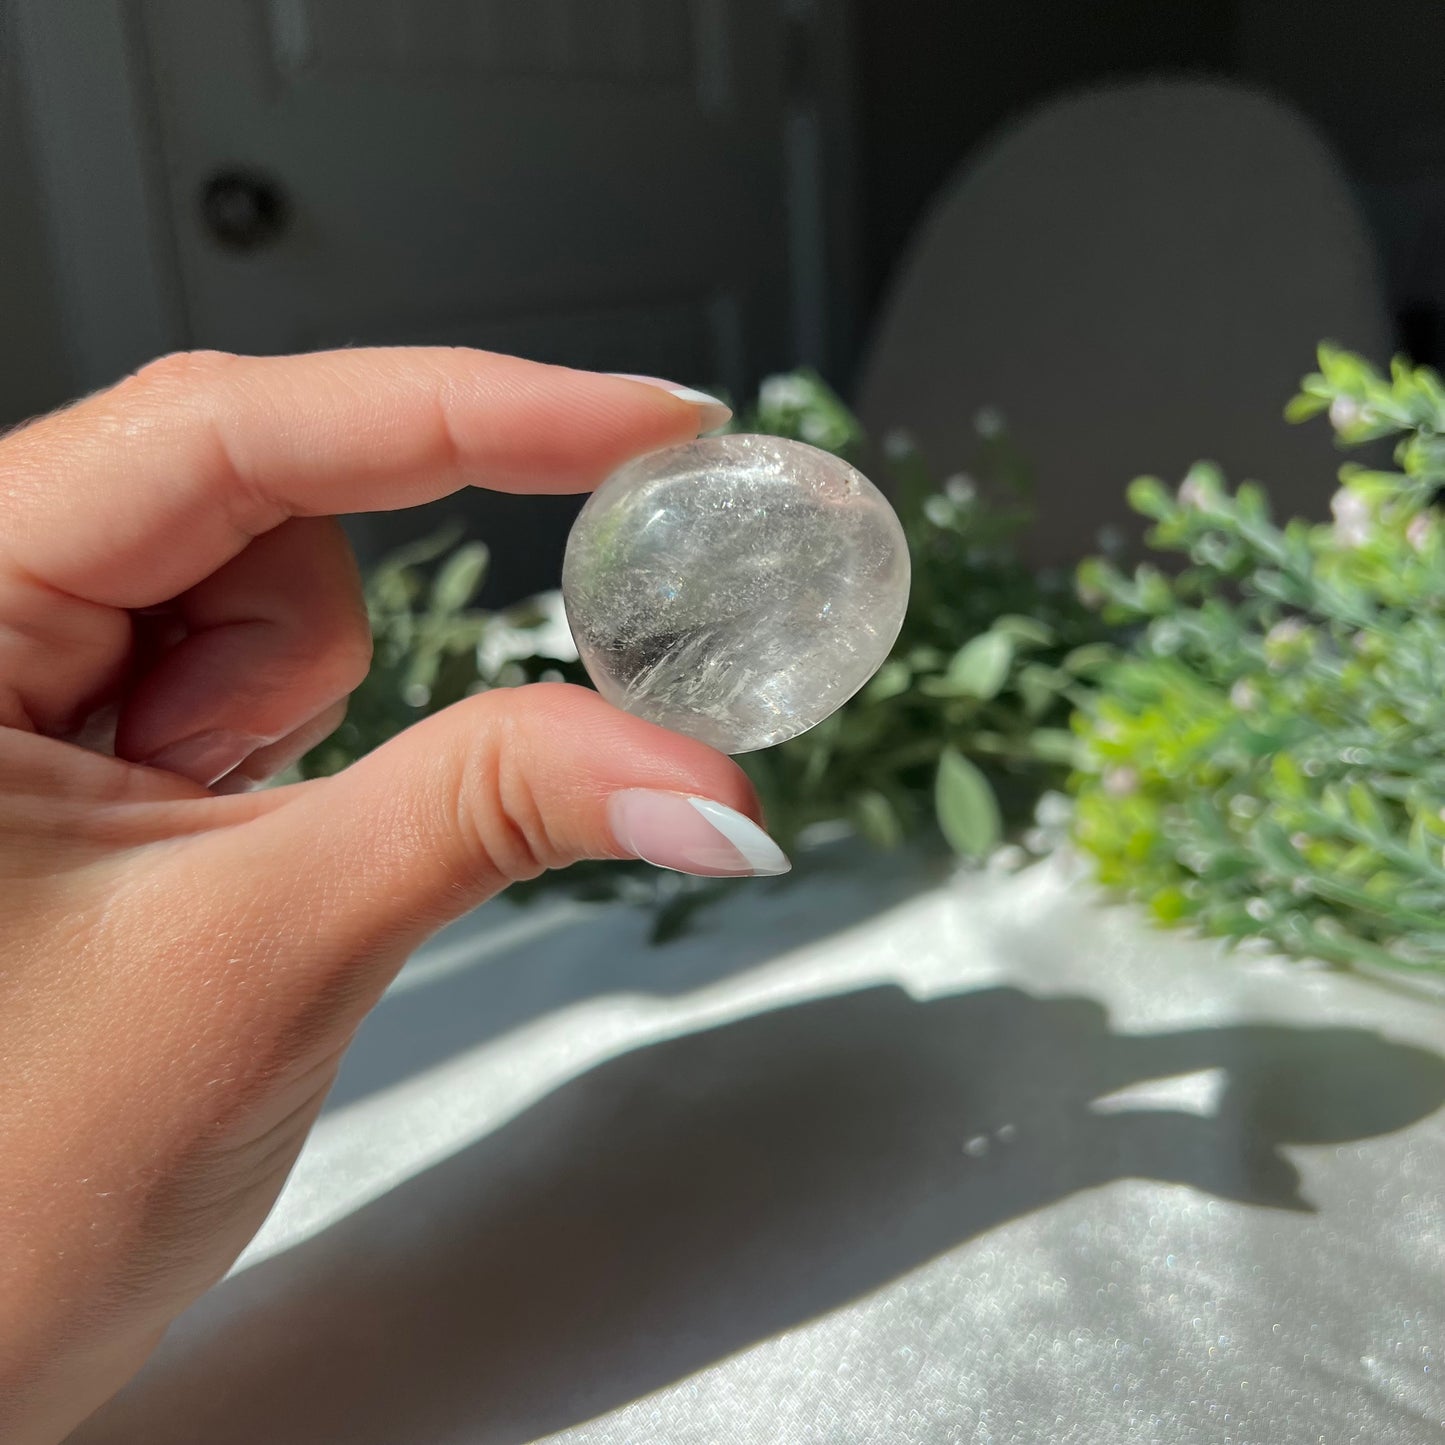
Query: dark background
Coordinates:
[111,255]
[936,76]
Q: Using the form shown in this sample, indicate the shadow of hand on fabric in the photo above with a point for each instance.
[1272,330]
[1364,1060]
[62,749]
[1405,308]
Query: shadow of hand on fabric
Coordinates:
[686,1200]
[497,990]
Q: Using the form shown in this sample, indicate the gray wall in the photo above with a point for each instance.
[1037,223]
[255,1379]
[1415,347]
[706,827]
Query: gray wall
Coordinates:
[33,373]
[1370,79]
[937,76]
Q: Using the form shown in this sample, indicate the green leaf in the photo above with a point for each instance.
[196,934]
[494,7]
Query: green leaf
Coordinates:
[1252,503]
[876,819]
[423,550]
[1343,369]
[1150,498]
[1054,745]
[1040,688]
[1091,657]
[1023,631]
[877,760]
[1365,808]
[981,667]
[891,680]
[1304,406]
[968,812]
[926,659]
[459,577]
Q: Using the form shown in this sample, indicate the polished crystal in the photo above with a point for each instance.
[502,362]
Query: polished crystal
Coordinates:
[738,589]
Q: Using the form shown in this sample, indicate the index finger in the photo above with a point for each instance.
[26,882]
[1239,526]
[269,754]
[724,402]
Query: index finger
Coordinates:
[133,495]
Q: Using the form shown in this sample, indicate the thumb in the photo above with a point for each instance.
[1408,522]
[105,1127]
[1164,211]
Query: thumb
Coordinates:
[498,789]
[236,955]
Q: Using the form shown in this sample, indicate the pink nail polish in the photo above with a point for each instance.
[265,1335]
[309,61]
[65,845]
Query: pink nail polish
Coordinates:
[712,413]
[692,835]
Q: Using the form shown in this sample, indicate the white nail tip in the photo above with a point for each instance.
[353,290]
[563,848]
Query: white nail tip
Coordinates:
[697,398]
[758,850]
[700,399]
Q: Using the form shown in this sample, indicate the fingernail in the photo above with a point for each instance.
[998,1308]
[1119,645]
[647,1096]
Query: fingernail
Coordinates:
[712,413]
[235,782]
[207,757]
[692,835]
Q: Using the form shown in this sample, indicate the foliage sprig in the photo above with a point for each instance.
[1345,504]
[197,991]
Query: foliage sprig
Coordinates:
[1267,761]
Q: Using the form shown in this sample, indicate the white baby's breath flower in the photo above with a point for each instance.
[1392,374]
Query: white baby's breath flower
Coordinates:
[1053,810]
[961,490]
[1354,522]
[551,637]
[1110,540]
[1284,633]
[988,422]
[1345,411]
[1285,643]
[1121,782]
[1196,494]
[783,391]
[1244,695]
[939,510]
[1420,530]
[897,445]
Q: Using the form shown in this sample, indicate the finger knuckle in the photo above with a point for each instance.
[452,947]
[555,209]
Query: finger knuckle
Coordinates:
[180,371]
[499,816]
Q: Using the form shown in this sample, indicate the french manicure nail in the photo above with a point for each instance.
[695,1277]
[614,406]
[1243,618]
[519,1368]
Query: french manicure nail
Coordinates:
[692,835]
[207,757]
[235,782]
[712,413]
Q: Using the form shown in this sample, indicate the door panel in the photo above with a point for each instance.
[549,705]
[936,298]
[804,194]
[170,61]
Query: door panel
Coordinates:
[484,171]
[600,183]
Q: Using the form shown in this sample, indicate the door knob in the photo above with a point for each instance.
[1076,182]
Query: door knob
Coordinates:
[244,210]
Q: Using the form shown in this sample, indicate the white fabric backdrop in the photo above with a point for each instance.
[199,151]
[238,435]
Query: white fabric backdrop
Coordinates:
[993,1164]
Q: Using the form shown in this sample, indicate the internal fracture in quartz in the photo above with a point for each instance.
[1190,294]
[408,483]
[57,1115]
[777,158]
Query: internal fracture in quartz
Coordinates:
[738,589]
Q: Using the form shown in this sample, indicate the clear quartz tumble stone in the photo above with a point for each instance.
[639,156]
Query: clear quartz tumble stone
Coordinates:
[737,589]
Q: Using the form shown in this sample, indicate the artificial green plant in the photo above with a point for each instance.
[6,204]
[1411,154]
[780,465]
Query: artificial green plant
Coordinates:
[1267,760]
[966,723]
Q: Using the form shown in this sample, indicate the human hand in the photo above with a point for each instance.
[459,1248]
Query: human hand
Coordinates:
[186,960]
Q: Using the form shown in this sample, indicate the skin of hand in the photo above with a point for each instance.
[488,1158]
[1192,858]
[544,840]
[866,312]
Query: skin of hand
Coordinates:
[185,961]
